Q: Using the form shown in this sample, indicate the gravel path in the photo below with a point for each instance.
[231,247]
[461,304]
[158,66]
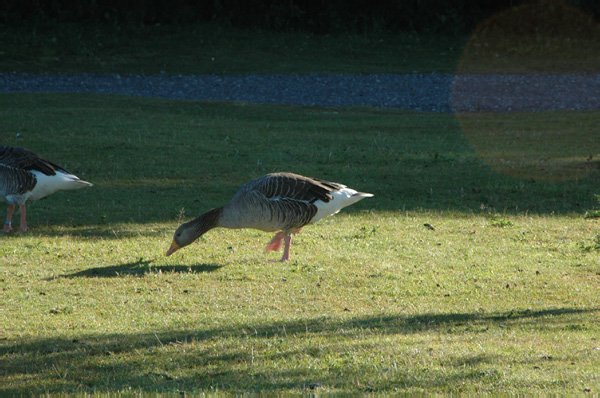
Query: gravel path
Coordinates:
[420,92]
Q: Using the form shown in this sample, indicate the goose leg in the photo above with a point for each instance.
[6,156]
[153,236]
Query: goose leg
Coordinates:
[286,249]
[23,212]
[7,225]
[275,243]
[278,239]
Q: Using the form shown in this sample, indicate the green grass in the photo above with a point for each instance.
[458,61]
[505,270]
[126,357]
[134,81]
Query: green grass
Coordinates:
[548,146]
[214,49]
[498,294]
[532,38]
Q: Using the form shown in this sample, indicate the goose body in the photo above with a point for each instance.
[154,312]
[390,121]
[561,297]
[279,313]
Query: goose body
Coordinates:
[282,202]
[26,176]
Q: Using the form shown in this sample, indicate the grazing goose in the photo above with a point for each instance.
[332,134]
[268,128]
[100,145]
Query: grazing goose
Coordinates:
[283,202]
[25,176]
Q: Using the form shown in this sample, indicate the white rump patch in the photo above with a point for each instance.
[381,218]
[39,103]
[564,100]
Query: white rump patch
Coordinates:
[47,185]
[341,198]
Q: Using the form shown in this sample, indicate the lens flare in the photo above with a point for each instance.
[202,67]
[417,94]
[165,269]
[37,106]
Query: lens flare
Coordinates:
[527,91]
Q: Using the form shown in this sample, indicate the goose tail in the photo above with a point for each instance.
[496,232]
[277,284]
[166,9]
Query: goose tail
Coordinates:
[68,181]
[341,198]
[78,183]
[47,185]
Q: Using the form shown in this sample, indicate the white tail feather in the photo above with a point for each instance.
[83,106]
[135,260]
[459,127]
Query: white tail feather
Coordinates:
[341,198]
[47,185]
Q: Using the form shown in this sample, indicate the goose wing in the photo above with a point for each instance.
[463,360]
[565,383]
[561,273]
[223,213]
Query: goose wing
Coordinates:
[14,183]
[282,201]
[22,159]
[15,180]
[290,186]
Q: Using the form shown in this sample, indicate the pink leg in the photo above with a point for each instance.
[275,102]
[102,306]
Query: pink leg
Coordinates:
[23,218]
[286,250]
[8,224]
[275,243]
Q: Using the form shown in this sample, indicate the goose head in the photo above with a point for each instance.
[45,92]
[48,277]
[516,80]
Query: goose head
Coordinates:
[192,230]
[183,236]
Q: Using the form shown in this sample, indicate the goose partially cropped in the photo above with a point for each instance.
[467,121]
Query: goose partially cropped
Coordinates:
[283,202]
[26,176]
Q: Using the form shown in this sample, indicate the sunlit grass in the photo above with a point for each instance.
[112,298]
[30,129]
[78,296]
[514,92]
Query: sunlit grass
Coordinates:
[371,302]
[497,293]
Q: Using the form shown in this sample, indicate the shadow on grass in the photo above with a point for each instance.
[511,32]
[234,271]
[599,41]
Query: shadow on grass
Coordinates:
[86,232]
[140,268]
[409,160]
[484,193]
[82,362]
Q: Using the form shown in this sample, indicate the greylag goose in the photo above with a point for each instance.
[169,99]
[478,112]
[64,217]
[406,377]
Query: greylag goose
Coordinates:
[26,176]
[283,202]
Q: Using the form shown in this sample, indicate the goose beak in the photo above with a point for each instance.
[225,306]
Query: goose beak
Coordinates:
[174,247]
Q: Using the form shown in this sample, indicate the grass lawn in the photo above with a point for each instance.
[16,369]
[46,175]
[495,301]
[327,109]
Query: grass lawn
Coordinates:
[212,49]
[498,294]
[533,38]
[475,268]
